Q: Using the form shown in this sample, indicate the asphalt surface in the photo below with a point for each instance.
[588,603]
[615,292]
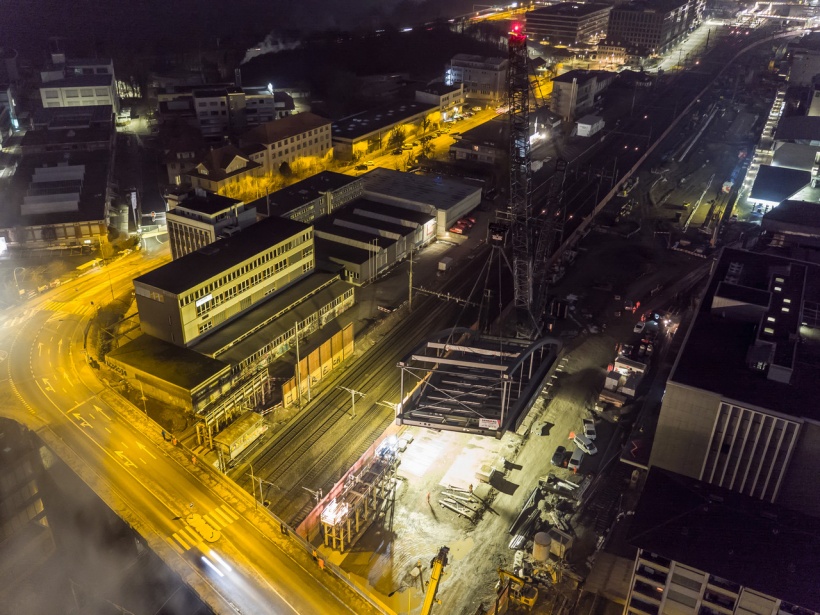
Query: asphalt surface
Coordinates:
[50,387]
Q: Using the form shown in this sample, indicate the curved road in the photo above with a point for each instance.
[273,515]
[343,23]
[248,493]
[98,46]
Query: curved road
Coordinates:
[149,482]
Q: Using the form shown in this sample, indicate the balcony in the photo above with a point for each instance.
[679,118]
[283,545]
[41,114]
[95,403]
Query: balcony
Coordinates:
[650,591]
[650,574]
[642,607]
[724,585]
[716,599]
[655,559]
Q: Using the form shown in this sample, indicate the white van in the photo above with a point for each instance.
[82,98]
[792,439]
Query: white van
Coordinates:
[585,444]
[575,461]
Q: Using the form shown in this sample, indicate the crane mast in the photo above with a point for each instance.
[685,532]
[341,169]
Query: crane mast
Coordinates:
[520,209]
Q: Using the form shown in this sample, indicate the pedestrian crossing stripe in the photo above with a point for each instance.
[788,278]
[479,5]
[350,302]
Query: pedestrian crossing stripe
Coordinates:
[217,519]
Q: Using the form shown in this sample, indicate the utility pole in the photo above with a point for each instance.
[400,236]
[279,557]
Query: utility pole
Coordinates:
[410,283]
[353,394]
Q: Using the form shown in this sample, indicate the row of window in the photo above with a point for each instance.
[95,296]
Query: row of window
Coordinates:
[247,268]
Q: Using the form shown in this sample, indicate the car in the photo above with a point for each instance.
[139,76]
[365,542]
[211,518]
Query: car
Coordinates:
[361,167]
[589,429]
[639,327]
[406,148]
[477,107]
[458,230]
[585,444]
[370,163]
[558,457]
[416,143]
[576,459]
[628,305]
[397,152]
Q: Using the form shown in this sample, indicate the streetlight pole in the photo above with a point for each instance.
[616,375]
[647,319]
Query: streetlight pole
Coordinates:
[353,394]
[16,283]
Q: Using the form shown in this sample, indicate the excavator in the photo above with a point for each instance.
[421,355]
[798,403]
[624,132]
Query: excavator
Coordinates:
[437,565]
[521,592]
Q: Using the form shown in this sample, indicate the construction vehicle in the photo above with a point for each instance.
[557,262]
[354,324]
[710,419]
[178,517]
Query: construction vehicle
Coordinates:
[437,565]
[521,592]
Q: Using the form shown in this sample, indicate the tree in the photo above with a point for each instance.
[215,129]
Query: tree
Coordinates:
[428,150]
[396,138]
[425,124]
[285,170]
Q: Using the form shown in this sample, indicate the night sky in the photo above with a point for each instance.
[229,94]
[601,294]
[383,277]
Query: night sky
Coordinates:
[109,26]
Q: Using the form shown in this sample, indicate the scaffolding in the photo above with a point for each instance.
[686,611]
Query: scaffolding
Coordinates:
[366,495]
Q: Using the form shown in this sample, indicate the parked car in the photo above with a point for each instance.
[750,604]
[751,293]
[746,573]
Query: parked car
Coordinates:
[458,230]
[558,457]
[585,444]
[361,167]
[416,143]
[576,459]
[589,429]
[639,327]
[370,163]
[397,151]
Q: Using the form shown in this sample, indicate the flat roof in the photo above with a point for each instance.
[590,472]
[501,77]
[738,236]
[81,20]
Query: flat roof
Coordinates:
[590,119]
[434,191]
[78,81]
[583,76]
[193,269]
[729,535]
[66,136]
[272,318]
[494,62]
[776,184]
[364,206]
[714,354]
[69,117]
[328,250]
[795,156]
[348,215]
[92,200]
[329,226]
[796,217]
[245,423]
[650,6]
[361,124]
[440,88]
[181,367]
[283,201]
[569,9]
[798,128]
[205,202]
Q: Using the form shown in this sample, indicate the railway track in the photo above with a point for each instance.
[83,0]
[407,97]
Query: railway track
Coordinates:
[315,449]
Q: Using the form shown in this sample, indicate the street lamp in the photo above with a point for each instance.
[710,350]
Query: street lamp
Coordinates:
[16,283]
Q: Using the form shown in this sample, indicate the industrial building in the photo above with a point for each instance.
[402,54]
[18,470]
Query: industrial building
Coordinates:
[740,409]
[568,23]
[703,549]
[187,298]
[198,218]
[58,200]
[288,139]
[364,133]
[449,98]
[654,25]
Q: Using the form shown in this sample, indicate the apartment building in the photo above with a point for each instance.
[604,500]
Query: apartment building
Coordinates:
[568,23]
[198,218]
[574,93]
[740,409]
[449,98]
[484,79]
[654,25]
[705,550]
[223,166]
[200,292]
[289,138]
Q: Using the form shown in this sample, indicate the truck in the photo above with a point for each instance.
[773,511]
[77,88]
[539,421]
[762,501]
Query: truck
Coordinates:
[445,264]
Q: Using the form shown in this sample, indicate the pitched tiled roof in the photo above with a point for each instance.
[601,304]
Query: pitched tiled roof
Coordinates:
[271,132]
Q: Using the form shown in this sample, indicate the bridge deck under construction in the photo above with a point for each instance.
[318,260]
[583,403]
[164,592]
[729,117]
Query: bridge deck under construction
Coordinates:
[460,380]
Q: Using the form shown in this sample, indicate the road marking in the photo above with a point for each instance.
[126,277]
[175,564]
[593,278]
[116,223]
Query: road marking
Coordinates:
[39,348]
[181,541]
[125,445]
[145,449]
[82,421]
[48,384]
[100,410]
[210,521]
[143,460]
[217,512]
[126,461]
[230,512]
[108,430]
